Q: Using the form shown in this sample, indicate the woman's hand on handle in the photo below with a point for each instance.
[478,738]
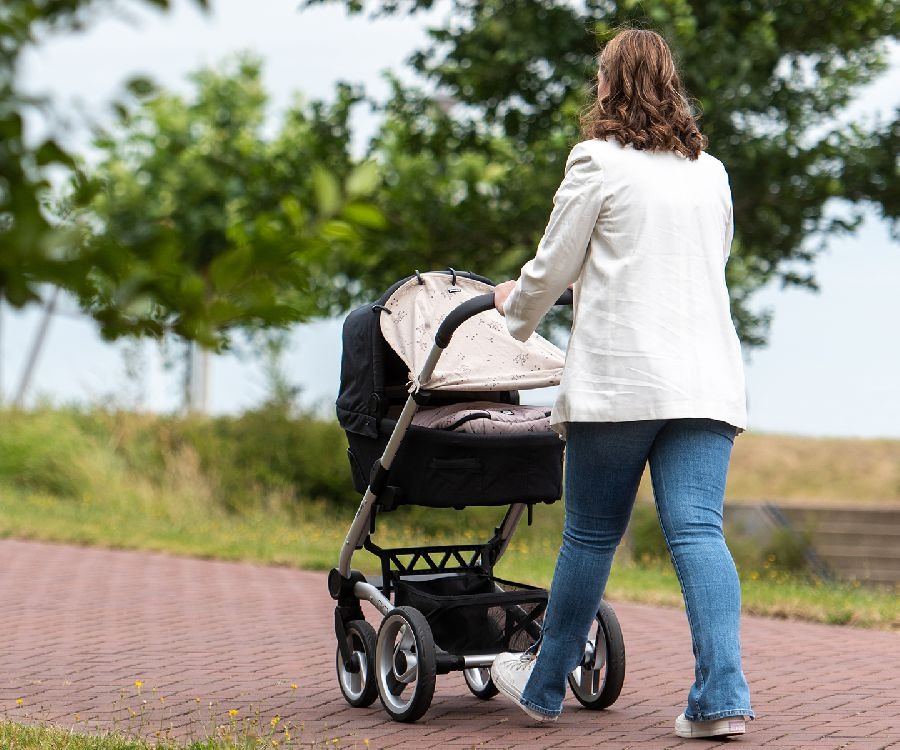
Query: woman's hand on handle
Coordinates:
[501,293]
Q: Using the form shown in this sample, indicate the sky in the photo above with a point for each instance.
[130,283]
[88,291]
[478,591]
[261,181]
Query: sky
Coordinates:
[832,366]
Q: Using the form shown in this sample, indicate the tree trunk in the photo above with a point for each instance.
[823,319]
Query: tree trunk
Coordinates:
[39,339]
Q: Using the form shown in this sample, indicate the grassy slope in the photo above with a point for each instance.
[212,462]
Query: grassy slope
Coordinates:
[828,471]
[823,472]
[95,480]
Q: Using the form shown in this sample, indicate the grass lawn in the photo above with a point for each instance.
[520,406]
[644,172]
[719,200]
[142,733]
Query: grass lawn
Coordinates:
[311,536]
[21,737]
[247,735]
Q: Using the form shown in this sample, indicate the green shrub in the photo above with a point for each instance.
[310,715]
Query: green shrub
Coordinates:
[271,452]
[45,452]
[645,540]
[784,551]
[254,461]
[257,460]
[787,550]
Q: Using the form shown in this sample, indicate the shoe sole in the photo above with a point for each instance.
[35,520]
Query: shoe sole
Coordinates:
[509,692]
[726,730]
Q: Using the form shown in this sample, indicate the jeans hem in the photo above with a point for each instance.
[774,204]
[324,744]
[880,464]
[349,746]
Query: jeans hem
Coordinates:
[721,715]
[540,709]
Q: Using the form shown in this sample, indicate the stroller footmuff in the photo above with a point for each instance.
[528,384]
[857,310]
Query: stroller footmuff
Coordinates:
[429,401]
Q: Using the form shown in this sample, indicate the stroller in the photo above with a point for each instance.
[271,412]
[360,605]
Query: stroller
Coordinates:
[443,608]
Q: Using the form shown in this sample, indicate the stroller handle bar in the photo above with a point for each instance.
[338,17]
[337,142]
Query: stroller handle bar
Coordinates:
[472,307]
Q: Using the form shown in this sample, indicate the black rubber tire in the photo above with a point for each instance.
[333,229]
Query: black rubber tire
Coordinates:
[361,637]
[613,676]
[420,644]
[483,689]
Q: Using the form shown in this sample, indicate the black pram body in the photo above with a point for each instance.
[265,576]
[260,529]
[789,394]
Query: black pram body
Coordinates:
[434,467]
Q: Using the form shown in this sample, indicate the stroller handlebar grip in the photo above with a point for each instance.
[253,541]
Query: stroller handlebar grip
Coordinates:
[472,307]
[468,309]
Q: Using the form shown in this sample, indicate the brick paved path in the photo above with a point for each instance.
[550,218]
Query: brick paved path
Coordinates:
[81,626]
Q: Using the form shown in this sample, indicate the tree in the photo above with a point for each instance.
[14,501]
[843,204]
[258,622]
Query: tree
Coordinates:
[453,193]
[193,223]
[772,79]
[31,243]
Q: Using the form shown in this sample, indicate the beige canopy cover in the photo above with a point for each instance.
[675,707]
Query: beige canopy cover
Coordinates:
[482,356]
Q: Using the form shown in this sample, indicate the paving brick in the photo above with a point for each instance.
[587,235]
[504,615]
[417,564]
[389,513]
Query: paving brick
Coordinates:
[82,626]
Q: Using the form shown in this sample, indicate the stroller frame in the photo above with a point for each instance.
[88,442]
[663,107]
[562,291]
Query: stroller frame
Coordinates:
[404,652]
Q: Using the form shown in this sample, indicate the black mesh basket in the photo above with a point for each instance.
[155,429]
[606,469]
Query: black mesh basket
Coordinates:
[474,613]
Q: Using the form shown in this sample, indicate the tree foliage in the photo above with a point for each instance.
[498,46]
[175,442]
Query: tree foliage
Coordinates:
[773,80]
[30,242]
[452,193]
[195,223]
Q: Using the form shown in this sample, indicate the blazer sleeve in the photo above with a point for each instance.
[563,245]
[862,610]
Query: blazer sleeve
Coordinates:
[729,217]
[729,232]
[563,248]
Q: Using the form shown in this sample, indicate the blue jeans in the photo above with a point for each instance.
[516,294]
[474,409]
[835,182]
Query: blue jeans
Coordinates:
[688,465]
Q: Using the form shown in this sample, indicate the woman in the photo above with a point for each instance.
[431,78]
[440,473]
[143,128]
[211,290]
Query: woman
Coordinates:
[642,226]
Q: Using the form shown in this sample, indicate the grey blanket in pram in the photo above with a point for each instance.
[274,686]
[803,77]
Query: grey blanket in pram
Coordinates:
[485,418]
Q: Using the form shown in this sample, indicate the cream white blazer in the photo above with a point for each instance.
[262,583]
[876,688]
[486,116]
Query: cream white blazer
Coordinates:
[644,236]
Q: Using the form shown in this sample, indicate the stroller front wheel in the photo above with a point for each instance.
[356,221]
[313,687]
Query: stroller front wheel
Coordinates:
[405,664]
[358,683]
[479,682]
[597,681]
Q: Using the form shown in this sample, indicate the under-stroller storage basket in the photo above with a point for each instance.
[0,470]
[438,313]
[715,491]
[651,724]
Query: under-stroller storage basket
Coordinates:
[446,469]
[474,613]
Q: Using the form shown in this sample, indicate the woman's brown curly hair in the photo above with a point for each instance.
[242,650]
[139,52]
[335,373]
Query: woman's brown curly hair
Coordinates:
[644,103]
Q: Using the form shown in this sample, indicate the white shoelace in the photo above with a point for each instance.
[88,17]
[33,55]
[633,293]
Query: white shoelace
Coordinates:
[525,661]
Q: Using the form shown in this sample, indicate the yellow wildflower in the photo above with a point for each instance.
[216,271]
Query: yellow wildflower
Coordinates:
[139,684]
[275,720]
[293,686]
[19,701]
[232,712]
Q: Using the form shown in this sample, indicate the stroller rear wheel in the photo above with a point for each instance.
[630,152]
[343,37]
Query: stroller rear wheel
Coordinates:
[479,682]
[597,681]
[405,664]
[358,682]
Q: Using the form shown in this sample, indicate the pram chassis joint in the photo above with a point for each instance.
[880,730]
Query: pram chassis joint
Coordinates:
[371,594]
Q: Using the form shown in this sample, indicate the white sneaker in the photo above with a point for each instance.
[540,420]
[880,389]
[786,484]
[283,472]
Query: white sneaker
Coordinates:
[715,728]
[510,673]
